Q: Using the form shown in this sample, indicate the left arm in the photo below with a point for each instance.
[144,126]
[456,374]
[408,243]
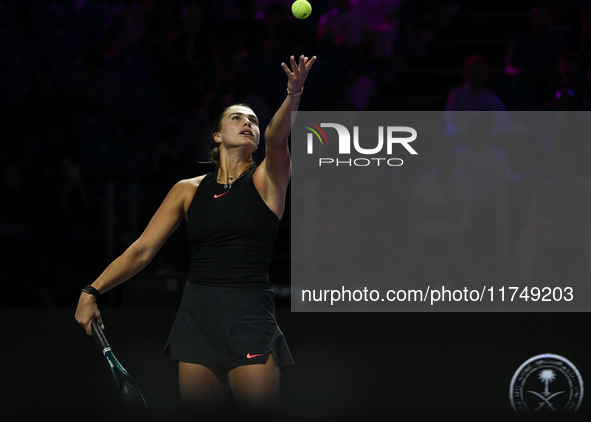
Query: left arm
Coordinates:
[273,174]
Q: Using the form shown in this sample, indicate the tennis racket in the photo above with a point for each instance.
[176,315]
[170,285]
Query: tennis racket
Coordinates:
[128,389]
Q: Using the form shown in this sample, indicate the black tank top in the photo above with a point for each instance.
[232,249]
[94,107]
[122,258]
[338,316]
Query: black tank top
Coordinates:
[232,233]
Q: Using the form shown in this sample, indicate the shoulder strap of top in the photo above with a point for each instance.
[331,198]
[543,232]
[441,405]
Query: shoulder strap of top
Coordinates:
[208,177]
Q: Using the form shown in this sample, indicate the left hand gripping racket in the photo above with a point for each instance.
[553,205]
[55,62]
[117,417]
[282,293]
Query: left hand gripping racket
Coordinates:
[128,389]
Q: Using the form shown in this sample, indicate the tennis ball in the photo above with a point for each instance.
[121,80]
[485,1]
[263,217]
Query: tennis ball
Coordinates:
[301,9]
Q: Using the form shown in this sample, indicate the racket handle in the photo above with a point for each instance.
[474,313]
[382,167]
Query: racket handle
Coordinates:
[99,336]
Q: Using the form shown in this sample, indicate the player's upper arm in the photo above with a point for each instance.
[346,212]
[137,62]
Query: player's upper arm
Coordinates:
[166,219]
[277,164]
[272,177]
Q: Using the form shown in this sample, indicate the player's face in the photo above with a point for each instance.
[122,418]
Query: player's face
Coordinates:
[240,127]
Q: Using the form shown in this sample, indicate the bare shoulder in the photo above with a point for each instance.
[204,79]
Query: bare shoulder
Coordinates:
[191,183]
[271,187]
[273,174]
[187,188]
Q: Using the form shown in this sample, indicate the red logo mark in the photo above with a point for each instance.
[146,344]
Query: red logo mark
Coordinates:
[221,194]
[249,356]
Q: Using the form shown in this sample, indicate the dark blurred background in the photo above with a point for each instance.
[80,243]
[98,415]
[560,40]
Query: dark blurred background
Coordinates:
[105,104]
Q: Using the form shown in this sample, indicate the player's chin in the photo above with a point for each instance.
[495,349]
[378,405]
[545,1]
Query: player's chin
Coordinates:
[250,143]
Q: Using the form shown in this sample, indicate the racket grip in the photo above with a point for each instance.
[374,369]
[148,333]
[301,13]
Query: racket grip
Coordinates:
[98,335]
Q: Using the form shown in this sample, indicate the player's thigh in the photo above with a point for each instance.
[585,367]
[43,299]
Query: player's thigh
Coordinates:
[203,386]
[256,385]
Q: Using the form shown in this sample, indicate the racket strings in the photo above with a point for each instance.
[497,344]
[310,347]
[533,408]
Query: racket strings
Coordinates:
[130,392]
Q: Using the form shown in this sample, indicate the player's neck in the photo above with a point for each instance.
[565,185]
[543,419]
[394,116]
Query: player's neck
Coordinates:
[230,170]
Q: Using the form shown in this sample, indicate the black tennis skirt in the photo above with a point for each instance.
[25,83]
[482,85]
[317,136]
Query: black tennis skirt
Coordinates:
[220,326]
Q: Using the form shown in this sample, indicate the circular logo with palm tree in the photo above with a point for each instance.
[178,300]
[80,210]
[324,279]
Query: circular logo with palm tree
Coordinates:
[546,384]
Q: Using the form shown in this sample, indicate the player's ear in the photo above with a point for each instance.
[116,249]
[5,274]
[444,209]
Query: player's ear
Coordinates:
[217,138]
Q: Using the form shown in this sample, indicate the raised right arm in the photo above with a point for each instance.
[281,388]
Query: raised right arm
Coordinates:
[140,253]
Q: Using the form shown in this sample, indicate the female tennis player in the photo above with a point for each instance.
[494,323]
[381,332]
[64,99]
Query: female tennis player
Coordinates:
[225,336]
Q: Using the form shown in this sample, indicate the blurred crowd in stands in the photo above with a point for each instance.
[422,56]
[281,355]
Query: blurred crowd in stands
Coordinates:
[105,104]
